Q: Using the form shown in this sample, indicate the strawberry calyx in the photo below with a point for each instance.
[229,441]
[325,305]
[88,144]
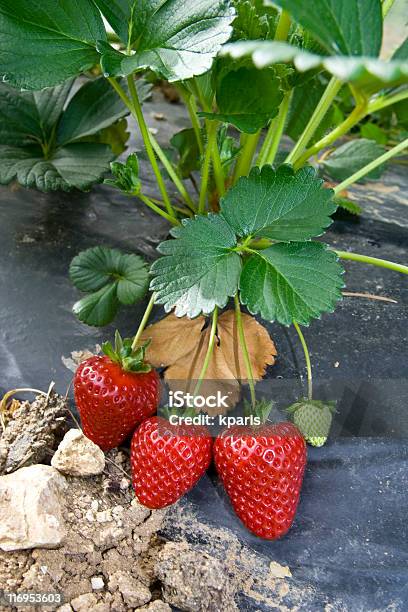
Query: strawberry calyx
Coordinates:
[129,359]
[261,409]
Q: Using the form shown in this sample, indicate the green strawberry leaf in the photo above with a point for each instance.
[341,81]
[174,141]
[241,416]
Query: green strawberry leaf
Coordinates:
[100,266]
[341,26]
[29,117]
[116,136]
[126,175]
[44,43]
[118,14]
[94,107]
[199,270]
[371,131]
[246,107]
[45,147]
[78,165]
[178,39]
[281,204]
[352,156]
[111,278]
[291,282]
[185,142]
[370,74]
[99,308]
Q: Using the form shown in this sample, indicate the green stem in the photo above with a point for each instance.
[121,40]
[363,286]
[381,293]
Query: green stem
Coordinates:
[215,154]
[386,5]
[326,100]
[184,211]
[277,129]
[243,166]
[374,261]
[136,110]
[191,106]
[283,27]
[157,209]
[144,321]
[172,173]
[358,113]
[210,349]
[205,174]
[272,139]
[307,359]
[154,144]
[244,348]
[371,166]
[267,143]
[384,101]
[218,169]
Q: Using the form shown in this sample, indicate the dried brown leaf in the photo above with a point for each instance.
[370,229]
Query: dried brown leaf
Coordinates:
[180,345]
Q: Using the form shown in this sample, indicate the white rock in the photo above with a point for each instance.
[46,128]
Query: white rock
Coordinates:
[97,583]
[279,571]
[105,516]
[78,456]
[30,508]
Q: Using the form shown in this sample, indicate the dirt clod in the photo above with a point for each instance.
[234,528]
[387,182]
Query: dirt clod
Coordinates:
[33,432]
[193,580]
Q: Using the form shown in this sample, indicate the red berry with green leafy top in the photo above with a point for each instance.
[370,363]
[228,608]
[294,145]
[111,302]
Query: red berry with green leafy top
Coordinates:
[167,460]
[262,471]
[115,392]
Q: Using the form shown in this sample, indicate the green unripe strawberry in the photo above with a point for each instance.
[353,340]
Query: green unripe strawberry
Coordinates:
[313,418]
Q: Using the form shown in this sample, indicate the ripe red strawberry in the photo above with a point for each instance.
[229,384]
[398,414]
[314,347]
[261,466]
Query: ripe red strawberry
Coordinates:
[115,392]
[262,471]
[167,460]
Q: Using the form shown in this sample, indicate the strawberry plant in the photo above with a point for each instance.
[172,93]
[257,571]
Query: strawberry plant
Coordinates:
[252,230]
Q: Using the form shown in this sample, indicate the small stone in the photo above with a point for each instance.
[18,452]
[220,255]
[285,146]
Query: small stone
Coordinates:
[95,505]
[117,511]
[97,583]
[78,456]
[104,517]
[31,508]
[65,608]
[279,571]
[124,484]
[90,516]
[84,603]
